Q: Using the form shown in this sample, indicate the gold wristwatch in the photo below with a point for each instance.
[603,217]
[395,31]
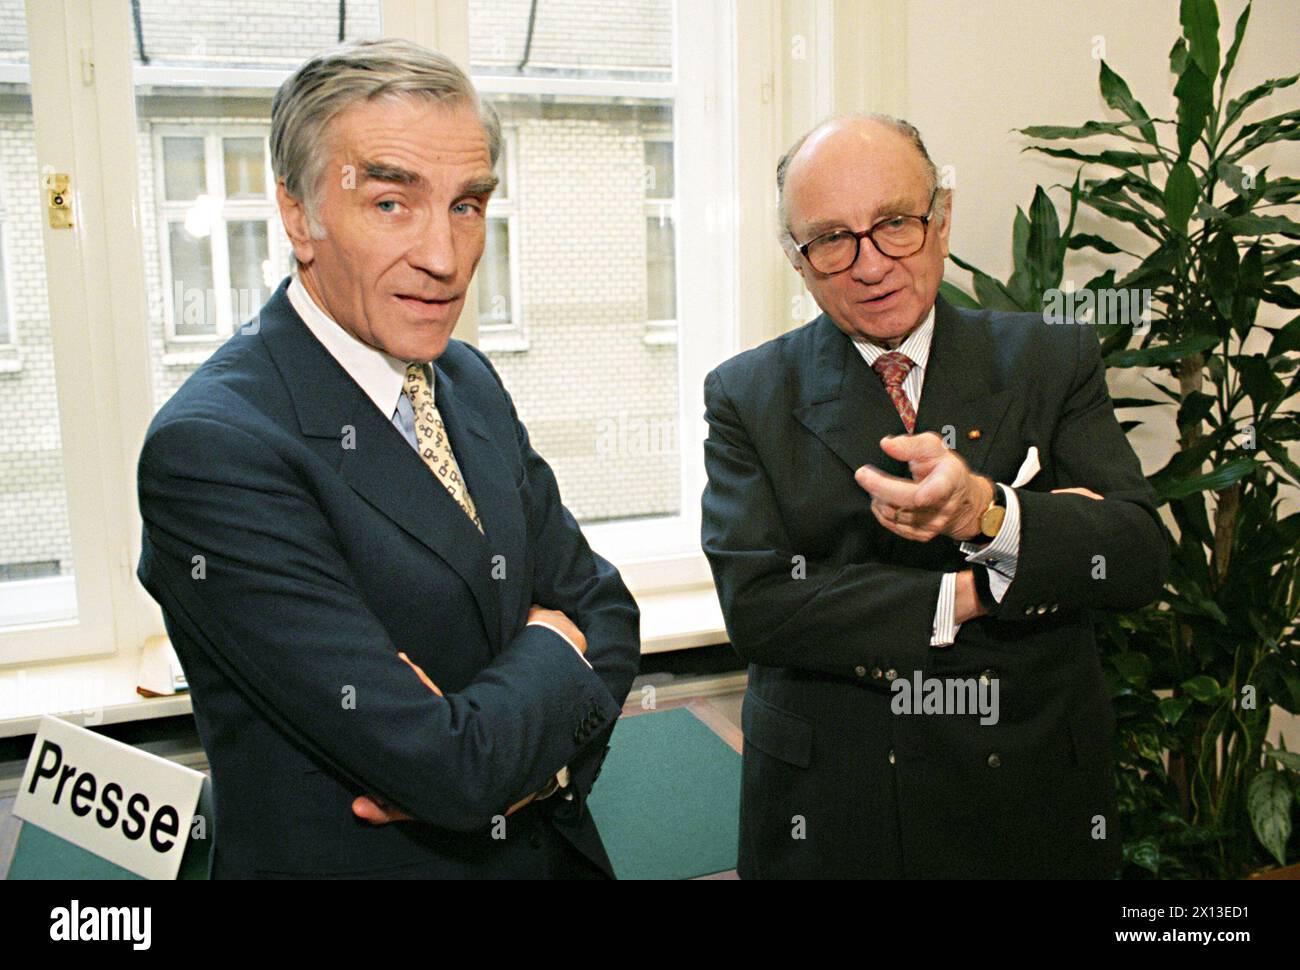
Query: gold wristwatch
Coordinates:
[991,518]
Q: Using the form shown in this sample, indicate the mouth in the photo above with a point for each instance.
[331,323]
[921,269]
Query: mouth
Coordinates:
[426,306]
[881,301]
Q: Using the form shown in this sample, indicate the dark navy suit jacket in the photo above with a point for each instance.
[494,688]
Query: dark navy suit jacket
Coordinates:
[297,544]
[834,782]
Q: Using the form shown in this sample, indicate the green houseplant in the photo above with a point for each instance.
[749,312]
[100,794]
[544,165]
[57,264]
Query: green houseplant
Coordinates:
[1195,675]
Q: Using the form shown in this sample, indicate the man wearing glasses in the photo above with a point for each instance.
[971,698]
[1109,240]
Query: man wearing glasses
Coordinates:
[910,509]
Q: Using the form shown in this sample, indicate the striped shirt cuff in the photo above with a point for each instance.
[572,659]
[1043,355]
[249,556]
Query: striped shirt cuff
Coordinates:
[1002,554]
[945,628]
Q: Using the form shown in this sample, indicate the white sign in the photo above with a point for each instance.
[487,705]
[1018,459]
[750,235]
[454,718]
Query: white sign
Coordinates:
[124,805]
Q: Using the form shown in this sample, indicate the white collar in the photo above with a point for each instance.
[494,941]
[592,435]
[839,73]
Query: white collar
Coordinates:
[916,346]
[380,376]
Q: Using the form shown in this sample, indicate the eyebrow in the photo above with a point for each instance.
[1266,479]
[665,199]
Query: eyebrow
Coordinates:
[382,172]
[897,206]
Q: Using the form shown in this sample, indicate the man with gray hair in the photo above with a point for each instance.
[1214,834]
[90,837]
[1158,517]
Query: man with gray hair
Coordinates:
[903,492]
[405,660]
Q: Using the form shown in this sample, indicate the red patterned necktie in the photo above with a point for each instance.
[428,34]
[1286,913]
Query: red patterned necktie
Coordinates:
[893,368]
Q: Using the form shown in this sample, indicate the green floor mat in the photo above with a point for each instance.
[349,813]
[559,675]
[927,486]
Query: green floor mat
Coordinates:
[668,798]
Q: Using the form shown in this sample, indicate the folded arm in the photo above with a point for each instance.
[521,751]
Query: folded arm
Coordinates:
[276,612]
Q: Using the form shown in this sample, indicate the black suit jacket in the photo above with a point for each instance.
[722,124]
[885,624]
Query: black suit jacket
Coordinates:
[297,543]
[834,783]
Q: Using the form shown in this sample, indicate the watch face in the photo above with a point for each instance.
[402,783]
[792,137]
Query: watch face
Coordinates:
[991,521]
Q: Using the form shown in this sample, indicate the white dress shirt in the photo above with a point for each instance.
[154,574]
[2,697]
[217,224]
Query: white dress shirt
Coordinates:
[998,556]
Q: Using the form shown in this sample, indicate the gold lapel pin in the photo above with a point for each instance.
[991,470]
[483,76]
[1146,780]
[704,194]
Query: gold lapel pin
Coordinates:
[973,434]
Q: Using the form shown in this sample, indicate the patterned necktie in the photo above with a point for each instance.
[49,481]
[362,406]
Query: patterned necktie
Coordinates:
[435,445]
[893,368]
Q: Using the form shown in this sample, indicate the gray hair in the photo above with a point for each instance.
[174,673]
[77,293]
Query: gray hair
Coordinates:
[334,80]
[904,128]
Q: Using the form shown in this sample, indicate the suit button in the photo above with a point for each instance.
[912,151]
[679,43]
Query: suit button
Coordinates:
[860,671]
[1055,607]
[877,673]
[994,760]
[988,676]
[892,759]
[891,674]
[1042,610]
[535,841]
[1029,611]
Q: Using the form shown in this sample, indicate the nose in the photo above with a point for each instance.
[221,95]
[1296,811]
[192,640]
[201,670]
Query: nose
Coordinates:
[434,248]
[871,266]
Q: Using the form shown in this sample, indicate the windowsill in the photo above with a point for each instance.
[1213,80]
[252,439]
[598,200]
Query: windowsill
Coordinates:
[98,692]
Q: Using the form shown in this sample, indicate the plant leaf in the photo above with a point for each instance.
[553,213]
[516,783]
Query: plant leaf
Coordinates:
[1200,20]
[1195,94]
[1287,759]
[1203,687]
[1118,96]
[1045,266]
[1268,800]
[957,297]
[1237,105]
[1180,196]
[1163,354]
[1223,476]
[1083,240]
[1231,58]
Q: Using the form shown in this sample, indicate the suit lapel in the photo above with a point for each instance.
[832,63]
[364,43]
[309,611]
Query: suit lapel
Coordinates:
[379,463]
[962,390]
[847,408]
[491,485]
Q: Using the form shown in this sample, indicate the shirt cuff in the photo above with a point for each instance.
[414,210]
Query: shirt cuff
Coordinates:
[557,632]
[945,628]
[1001,554]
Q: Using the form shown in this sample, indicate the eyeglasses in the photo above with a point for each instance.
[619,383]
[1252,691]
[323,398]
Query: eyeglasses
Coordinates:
[896,237]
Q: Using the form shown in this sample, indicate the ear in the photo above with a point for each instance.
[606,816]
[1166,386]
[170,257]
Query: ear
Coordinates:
[294,216]
[946,228]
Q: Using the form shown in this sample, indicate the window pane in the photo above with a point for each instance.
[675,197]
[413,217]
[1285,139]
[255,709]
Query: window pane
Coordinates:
[494,276]
[629,40]
[216,33]
[660,269]
[183,171]
[192,291]
[37,582]
[582,249]
[658,169]
[245,168]
[249,268]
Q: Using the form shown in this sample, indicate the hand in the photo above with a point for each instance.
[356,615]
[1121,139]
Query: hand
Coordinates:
[376,811]
[944,496]
[1077,491]
[561,622]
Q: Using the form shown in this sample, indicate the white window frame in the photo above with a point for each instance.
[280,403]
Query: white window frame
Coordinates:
[664,551]
[659,332]
[228,210]
[85,86]
[510,337]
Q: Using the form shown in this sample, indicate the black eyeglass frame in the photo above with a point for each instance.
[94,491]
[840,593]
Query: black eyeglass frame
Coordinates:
[870,234]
